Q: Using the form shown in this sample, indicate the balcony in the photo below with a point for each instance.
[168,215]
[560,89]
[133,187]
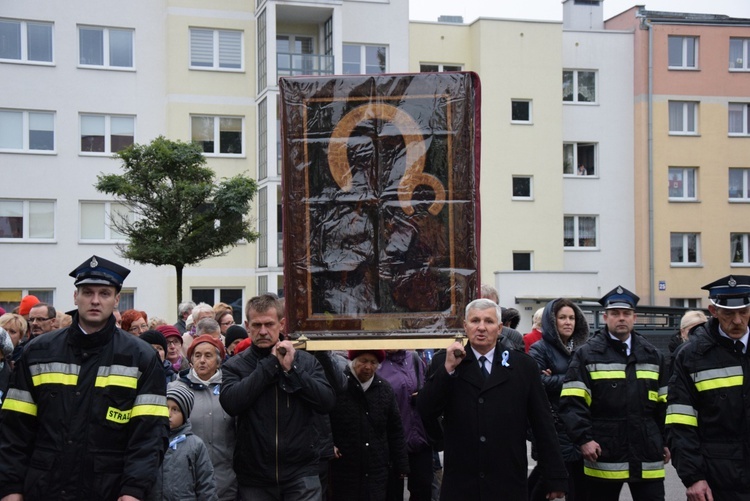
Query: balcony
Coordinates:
[290,64]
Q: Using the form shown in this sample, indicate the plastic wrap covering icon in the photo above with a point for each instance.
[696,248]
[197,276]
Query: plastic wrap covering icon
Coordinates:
[381,209]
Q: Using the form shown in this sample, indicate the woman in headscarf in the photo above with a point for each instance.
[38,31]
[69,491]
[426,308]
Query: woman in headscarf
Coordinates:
[564,329]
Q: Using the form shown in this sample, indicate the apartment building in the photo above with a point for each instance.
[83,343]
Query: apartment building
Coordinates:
[691,151]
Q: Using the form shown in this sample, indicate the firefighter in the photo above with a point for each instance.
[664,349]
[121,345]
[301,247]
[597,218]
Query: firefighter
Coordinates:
[613,404]
[86,413]
[708,404]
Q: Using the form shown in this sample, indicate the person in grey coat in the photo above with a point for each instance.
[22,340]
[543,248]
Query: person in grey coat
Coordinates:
[187,472]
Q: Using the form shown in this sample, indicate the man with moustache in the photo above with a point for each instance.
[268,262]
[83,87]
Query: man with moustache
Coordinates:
[86,415]
[488,394]
[708,405]
[613,404]
[276,392]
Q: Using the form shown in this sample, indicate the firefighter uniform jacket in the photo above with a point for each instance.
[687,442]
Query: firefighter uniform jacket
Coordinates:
[708,412]
[619,401]
[85,417]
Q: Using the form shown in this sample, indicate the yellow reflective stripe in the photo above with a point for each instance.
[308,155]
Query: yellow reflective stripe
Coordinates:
[55,378]
[116,380]
[20,401]
[724,382]
[647,375]
[611,471]
[576,389]
[607,375]
[150,410]
[652,470]
[150,405]
[652,395]
[681,414]
[663,392]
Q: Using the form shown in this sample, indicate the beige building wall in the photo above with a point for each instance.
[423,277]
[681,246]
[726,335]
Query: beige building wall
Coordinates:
[214,93]
[514,60]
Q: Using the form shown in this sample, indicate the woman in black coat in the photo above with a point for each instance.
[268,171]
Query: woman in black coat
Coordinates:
[564,329]
[367,432]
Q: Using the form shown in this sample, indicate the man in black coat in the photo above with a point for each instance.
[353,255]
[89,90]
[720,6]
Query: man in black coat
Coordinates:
[487,395]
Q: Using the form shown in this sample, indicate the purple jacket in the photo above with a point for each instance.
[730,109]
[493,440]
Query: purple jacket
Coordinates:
[399,370]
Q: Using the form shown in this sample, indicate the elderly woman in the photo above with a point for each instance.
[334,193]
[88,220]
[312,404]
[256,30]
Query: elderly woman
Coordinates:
[174,348]
[564,329]
[15,325]
[214,426]
[134,321]
[367,432]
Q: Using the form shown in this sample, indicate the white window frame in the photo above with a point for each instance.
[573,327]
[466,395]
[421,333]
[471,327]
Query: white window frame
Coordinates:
[363,58]
[686,173]
[108,230]
[686,250]
[529,102]
[26,215]
[693,303]
[577,232]
[745,194]
[12,297]
[744,250]
[217,135]
[741,63]
[127,299]
[441,67]
[744,110]
[216,50]
[531,188]
[26,132]
[575,161]
[685,129]
[24,33]
[685,64]
[575,87]
[107,133]
[105,48]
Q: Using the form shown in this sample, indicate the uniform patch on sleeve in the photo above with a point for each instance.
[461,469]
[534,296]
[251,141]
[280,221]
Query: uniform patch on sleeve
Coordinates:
[118,416]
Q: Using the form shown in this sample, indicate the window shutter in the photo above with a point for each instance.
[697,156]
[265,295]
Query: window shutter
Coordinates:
[201,48]
[230,49]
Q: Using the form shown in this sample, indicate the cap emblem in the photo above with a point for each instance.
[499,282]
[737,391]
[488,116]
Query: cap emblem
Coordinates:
[619,290]
[732,282]
[94,263]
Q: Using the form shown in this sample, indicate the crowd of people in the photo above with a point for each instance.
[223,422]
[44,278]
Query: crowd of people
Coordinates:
[98,404]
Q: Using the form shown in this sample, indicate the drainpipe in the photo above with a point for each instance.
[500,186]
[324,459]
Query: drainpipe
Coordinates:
[651,272]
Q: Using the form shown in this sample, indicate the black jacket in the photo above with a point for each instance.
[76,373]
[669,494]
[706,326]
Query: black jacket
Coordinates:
[368,432]
[708,412]
[85,418]
[550,353]
[276,439]
[485,426]
[619,401]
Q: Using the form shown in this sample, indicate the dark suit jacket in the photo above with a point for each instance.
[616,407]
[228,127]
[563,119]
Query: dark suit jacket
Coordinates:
[485,426]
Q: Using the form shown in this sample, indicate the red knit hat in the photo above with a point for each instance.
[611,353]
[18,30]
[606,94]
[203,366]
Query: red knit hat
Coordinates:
[170,331]
[27,303]
[206,338]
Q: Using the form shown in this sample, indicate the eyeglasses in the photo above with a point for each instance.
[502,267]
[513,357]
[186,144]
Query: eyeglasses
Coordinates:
[39,319]
[228,322]
[170,342]
[138,328]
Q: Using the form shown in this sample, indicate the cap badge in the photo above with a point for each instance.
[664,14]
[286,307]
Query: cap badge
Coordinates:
[94,263]
[619,290]
[732,282]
